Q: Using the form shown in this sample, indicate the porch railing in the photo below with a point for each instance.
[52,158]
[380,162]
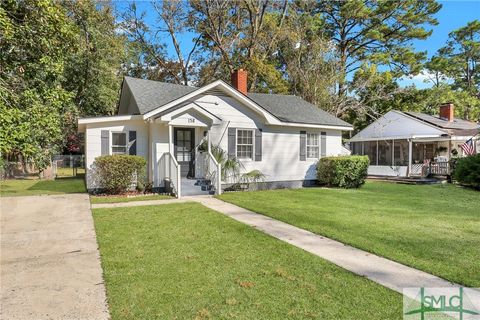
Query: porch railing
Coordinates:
[439,168]
[214,172]
[169,174]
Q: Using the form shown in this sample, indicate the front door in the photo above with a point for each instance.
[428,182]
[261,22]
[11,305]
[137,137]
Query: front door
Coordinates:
[183,146]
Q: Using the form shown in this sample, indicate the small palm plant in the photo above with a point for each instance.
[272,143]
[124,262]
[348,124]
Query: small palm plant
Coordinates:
[231,167]
[253,179]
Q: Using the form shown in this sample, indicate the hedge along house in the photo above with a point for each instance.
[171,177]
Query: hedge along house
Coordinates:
[414,144]
[282,136]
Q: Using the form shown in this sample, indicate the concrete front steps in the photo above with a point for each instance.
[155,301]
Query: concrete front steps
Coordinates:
[196,187]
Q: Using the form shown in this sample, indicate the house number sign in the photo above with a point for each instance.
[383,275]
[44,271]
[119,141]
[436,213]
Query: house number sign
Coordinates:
[191,120]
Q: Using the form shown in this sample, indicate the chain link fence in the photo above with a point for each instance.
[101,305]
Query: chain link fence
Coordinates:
[61,166]
[69,165]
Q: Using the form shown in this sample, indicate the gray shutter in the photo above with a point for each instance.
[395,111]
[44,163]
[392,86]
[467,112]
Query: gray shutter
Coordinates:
[303,145]
[105,142]
[258,145]
[132,143]
[232,142]
[323,144]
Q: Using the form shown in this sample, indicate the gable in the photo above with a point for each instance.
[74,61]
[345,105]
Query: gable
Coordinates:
[217,85]
[191,118]
[396,125]
[127,104]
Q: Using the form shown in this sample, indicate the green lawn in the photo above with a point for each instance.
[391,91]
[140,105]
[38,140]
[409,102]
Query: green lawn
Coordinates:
[434,228]
[184,261]
[69,172]
[29,187]
[109,199]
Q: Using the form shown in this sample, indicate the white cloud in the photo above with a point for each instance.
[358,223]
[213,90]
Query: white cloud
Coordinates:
[424,79]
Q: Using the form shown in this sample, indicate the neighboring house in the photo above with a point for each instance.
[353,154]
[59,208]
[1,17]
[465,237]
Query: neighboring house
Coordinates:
[409,143]
[283,136]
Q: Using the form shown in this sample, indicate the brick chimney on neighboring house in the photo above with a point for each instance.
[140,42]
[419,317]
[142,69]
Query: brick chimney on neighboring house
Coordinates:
[446,111]
[239,80]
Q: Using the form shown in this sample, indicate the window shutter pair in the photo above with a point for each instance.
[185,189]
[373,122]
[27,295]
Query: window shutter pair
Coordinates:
[303,145]
[232,144]
[105,142]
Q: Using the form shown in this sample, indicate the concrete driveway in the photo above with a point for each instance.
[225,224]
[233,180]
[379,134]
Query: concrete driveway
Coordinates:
[50,264]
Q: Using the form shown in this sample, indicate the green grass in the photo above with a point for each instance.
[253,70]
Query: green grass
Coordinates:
[434,228]
[184,261]
[29,187]
[69,172]
[100,199]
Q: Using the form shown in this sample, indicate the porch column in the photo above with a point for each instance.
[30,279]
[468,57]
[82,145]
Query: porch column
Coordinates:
[393,153]
[449,149]
[170,139]
[151,161]
[209,142]
[410,151]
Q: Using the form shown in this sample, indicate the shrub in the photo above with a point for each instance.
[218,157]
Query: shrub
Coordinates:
[344,172]
[119,173]
[467,171]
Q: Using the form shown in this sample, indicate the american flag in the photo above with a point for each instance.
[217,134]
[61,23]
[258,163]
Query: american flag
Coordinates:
[468,147]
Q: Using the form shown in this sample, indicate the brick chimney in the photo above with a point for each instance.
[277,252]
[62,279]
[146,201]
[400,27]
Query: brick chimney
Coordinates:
[239,80]
[446,111]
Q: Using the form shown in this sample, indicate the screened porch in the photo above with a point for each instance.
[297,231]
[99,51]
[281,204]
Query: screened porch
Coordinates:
[404,157]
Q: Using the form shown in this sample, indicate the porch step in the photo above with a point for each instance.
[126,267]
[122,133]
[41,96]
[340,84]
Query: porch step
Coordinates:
[193,187]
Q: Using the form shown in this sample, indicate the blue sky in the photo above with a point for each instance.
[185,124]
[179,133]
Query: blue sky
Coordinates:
[453,15]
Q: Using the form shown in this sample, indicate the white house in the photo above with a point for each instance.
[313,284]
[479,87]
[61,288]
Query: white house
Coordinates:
[283,136]
[413,144]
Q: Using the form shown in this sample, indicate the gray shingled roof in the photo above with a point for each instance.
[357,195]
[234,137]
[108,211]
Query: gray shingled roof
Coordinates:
[459,127]
[150,95]
[289,108]
[445,124]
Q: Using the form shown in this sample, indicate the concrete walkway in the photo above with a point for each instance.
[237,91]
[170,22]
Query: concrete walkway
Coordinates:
[50,264]
[388,273]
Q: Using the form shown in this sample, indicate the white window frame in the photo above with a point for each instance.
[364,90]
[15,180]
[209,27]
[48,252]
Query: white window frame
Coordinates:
[119,146]
[237,144]
[313,145]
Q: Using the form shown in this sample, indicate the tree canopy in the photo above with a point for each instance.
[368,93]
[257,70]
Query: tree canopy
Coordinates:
[63,59]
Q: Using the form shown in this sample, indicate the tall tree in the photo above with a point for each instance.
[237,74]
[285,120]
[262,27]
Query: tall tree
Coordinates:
[436,69]
[378,32]
[241,34]
[36,39]
[462,52]
[92,72]
[308,60]
[149,41]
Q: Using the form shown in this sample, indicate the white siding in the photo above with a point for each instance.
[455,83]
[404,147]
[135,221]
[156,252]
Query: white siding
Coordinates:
[280,145]
[93,142]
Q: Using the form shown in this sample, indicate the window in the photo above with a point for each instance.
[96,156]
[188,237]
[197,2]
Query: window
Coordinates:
[119,143]
[245,144]
[312,146]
